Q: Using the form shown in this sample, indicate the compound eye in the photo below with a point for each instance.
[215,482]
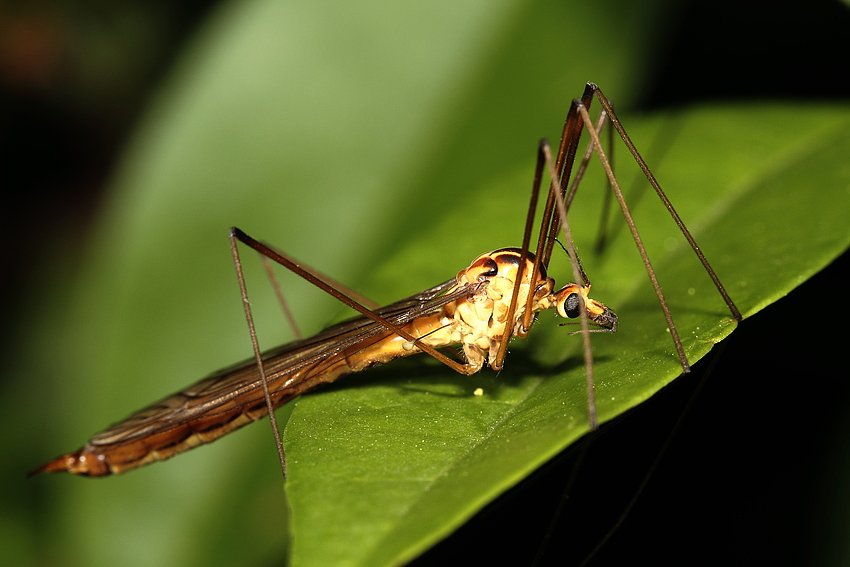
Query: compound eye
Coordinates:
[571,305]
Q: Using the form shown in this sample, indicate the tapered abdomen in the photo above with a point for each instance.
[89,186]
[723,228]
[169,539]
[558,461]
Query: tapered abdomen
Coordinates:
[232,398]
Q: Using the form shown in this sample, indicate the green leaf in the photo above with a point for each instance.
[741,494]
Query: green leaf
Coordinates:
[384,465]
[387,146]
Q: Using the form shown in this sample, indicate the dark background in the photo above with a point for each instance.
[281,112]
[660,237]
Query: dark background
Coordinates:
[747,494]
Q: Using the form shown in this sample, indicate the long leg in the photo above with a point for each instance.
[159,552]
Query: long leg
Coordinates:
[576,119]
[309,275]
[234,250]
[578,275]
[633,229]
[661,195]
[281,299]
[326,278]
[526,240]
[237,234]
[636,236]
[564,164]
[555,200]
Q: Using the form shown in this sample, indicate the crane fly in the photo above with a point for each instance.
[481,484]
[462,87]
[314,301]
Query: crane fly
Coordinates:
[495,298]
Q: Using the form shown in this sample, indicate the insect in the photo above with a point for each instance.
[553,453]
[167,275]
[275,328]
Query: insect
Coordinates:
[494,299]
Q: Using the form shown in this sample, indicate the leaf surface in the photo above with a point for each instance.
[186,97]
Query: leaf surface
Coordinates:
[384,465]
